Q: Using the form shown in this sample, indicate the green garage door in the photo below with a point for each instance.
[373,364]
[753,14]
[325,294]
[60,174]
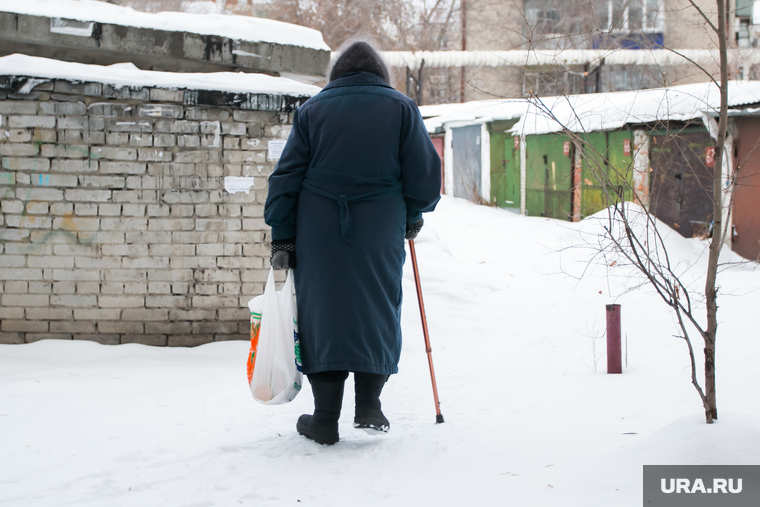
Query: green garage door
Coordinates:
[505,166]
[607,164]
[549,176]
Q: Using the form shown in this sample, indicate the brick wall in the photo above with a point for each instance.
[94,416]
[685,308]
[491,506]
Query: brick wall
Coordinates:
[115,223]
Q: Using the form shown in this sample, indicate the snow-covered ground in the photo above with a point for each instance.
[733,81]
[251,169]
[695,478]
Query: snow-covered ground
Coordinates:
[528,420]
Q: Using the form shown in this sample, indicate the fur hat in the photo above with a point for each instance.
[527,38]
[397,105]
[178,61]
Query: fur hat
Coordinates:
[359,57]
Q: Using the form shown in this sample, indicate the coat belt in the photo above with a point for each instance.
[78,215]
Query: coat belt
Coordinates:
[346,222]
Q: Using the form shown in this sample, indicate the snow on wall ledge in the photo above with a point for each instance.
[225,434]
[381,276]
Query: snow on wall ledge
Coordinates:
[126,74]
[236,27]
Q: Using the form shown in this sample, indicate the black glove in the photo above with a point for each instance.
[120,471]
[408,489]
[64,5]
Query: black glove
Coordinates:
[413,229]
[283,253]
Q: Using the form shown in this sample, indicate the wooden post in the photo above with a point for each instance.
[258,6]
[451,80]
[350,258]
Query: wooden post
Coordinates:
[641,167]
[577,168]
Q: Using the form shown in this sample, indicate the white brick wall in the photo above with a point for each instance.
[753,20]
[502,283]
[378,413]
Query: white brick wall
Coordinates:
[114,222]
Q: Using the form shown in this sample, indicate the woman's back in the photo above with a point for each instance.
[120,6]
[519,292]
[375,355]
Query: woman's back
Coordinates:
[356,125]
[358,169]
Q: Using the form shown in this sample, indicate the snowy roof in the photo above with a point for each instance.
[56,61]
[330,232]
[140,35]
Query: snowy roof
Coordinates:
[480,111]
[126,74]
[595,111]
[607,111]
[235,27]
[434,110]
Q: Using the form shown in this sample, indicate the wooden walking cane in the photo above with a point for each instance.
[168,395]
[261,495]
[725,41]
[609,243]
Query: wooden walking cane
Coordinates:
[438,415]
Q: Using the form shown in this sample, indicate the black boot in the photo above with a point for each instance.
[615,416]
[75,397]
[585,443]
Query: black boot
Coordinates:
[368,415]
[322,427]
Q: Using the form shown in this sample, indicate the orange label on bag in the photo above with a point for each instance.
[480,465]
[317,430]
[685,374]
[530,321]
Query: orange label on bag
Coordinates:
[255,329]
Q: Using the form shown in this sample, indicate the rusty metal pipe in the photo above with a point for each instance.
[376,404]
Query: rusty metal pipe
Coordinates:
[438,415]
[614,361]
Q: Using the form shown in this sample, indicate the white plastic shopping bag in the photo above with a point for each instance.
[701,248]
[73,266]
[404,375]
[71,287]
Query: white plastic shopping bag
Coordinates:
[274,360]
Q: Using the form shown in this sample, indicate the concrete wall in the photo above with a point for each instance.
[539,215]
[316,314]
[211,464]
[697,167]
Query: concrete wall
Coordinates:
[115,223]
[685,27]
[150,49]
[484,83]
[493,25]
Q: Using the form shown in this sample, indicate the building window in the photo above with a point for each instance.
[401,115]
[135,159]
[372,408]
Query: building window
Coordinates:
[626,16]
[543,16]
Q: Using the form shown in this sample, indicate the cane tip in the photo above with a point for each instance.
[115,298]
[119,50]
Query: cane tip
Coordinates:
[439,418]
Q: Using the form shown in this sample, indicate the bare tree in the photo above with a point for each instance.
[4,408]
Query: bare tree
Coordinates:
[711,290]
[632,238]
[427,25]
[338,20]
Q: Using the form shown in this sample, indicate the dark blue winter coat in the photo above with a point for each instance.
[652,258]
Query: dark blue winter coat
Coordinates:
[358,166]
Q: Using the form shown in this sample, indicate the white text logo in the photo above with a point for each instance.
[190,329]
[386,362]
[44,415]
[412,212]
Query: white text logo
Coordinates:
[686,486]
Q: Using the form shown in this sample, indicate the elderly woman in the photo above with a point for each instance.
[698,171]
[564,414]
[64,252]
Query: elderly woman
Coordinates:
[355,176]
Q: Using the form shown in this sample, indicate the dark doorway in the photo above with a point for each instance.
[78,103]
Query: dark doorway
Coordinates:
[681,194]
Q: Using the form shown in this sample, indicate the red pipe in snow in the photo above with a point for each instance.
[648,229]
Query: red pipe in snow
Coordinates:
[614,356]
